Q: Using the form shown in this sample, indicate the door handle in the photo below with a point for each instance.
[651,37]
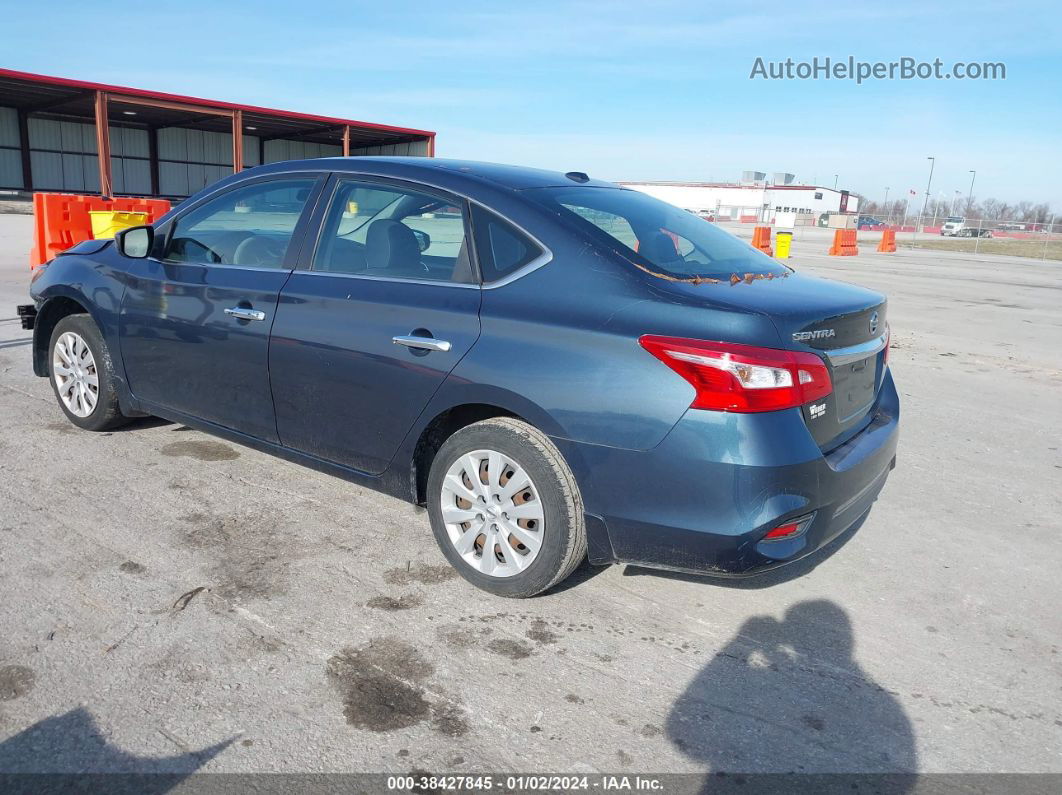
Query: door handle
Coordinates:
[426,343]
[243,313]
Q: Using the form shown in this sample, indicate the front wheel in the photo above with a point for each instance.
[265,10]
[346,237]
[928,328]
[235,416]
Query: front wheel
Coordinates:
[505,508]
[82,374]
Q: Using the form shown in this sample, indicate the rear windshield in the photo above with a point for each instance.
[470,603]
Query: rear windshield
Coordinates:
[655,234]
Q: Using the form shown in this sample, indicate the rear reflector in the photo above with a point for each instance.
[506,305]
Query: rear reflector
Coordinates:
[790,529]
[742,378]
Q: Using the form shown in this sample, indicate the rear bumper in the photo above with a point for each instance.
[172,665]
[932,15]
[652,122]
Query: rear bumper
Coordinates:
[704,498]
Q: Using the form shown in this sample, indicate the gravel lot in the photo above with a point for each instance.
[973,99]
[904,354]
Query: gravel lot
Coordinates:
[172,602]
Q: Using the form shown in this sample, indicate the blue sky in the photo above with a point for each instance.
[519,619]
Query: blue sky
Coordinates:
[621,90]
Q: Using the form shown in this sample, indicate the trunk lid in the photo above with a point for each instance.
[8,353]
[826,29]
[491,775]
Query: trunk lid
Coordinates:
[843,323]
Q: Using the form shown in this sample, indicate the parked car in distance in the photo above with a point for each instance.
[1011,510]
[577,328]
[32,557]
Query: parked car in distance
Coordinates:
[869,222]
[557,367]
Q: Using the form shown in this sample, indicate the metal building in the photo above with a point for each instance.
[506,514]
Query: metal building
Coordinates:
[756,201]
[73,136]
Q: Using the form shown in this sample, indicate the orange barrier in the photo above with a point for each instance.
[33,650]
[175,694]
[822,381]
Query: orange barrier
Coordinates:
[888,241]
[761,240]
[844,243]
[61,220]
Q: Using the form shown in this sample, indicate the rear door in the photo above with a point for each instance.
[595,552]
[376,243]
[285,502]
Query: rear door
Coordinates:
[195,317]
[385,306]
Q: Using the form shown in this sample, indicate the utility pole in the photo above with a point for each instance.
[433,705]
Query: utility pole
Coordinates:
[936,206]
[969,198]
[835,182]
[929,186]
[888,215]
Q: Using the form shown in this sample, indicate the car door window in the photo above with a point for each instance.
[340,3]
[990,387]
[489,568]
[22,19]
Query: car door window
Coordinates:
[249,226]
[390,232]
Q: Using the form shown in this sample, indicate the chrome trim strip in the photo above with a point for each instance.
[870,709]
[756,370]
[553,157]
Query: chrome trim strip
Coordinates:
[855,353]
[257,268]
[434,282]
[542,259]
[328,170]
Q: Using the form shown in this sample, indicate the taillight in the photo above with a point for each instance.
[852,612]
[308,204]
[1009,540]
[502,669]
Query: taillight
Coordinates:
[743,378]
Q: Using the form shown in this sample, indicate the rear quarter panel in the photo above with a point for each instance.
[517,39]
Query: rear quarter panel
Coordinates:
[562,343]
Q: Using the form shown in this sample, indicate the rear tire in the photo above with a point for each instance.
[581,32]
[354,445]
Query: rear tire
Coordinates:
[81,373]
[520,529]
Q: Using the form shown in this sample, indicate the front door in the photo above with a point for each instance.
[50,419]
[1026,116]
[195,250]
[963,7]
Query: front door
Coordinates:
[365,336]
[195,319]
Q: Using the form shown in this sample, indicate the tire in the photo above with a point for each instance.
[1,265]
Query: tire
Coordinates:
[548,510]
[91,407]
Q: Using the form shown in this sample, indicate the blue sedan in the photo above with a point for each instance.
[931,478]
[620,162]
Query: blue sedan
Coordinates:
[559,368]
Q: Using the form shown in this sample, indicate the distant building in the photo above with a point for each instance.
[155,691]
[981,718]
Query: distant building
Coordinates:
[754,199]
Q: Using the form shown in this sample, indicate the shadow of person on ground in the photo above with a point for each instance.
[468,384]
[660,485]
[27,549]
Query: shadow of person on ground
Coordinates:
[71,745]
[788,697]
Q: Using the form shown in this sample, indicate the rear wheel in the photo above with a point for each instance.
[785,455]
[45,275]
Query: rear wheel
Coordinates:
[82,374]
[505,508]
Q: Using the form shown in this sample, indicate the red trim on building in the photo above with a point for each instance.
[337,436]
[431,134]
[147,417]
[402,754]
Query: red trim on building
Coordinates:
[209,103]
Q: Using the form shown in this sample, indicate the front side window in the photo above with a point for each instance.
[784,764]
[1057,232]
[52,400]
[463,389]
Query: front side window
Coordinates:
[250,226]
[653,234]
[391,232]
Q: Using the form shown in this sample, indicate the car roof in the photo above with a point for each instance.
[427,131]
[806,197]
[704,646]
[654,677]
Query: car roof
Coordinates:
[432,169]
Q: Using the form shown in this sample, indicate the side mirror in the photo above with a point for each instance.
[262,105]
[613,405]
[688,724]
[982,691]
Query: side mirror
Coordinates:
[135,242]
[423,239]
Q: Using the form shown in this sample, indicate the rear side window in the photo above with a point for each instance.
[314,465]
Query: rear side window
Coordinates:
[502,249]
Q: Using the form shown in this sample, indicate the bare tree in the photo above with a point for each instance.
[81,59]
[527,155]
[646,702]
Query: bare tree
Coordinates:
[1040,213]
[991,208]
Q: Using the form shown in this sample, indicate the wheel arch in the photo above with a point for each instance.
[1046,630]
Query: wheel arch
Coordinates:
[456,405]
[51,312]
[440,428]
